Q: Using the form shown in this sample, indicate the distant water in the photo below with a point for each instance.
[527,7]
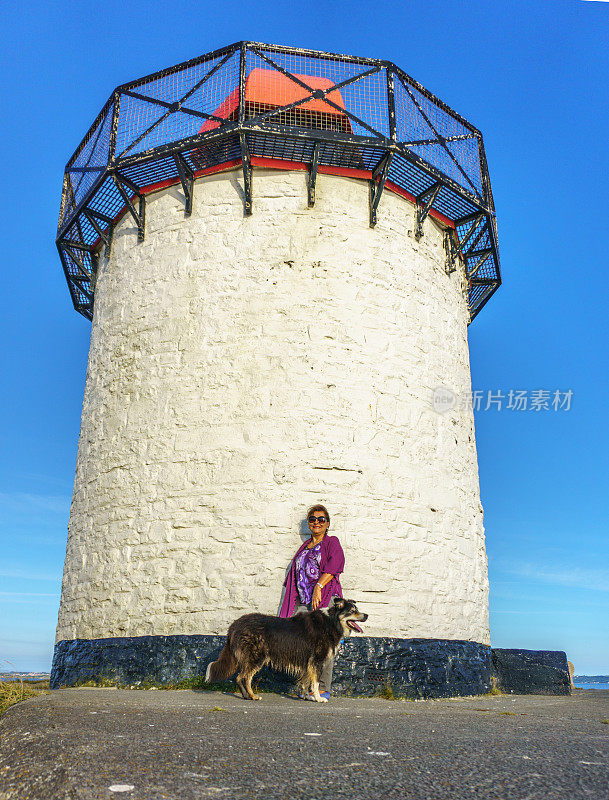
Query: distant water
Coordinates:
[591,681]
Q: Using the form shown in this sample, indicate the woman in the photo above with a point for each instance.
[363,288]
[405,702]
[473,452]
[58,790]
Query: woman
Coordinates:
[312,579]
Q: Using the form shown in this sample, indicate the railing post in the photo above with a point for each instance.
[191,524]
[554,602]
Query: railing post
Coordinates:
[114,128]
[245,154]
[391,105]
[243,52]
[312,176]
[486,183]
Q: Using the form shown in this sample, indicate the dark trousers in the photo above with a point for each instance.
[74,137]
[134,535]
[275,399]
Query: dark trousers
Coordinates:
[325,676]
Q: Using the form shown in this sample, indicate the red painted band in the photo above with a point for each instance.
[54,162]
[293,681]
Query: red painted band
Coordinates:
[277,163]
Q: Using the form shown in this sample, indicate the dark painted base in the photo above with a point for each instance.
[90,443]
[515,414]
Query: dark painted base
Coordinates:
[531,671]
[412,668]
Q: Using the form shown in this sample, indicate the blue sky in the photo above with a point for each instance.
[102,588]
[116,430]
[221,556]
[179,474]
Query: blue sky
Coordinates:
[533,77]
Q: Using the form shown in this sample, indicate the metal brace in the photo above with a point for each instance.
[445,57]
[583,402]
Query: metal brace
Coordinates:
[139,216]
[483,281]
[94,268]
[377,184]
[78,260]
[454,250]
[425,200]
[105,236]
[187,179]
[313,175]
[77,245]
[451,251]
[483,255]
[247,175]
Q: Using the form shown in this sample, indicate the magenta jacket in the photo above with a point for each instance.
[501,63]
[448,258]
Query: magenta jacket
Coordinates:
[332,562]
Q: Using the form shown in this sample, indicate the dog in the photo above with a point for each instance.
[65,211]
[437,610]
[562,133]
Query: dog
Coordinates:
[299,645]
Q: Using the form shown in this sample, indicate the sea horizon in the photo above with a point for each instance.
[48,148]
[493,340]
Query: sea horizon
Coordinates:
[591,681]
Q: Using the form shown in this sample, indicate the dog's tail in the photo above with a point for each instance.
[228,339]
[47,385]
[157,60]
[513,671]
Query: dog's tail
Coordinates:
[224,667]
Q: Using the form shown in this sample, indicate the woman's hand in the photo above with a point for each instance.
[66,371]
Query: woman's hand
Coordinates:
[316,597]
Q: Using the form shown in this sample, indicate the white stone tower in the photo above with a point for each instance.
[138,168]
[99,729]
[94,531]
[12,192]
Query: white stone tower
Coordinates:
[280,251]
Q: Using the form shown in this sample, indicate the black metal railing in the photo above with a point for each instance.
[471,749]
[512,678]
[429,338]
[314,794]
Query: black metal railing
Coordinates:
[253,101]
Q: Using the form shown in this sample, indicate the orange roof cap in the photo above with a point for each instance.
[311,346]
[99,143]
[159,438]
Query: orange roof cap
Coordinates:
[271,88]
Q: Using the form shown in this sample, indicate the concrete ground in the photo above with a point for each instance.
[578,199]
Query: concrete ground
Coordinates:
[147,745]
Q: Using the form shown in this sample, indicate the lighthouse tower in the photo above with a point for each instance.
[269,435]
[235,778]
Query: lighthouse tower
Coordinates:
[280,251]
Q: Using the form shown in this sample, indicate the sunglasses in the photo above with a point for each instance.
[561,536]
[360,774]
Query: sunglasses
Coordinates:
[317,519]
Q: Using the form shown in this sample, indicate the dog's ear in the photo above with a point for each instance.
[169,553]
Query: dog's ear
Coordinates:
[338,602]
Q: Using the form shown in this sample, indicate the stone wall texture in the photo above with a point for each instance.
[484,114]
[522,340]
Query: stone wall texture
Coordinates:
[531,671]
[243,368]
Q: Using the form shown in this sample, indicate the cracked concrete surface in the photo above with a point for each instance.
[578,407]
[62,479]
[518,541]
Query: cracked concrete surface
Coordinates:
[78,743]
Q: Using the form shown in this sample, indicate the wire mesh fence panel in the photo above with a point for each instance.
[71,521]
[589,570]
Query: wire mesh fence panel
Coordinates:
[478,296]
[220,82]
[440,120]
[88,163]
[137,122]
[177,106]
[425,128]
[411,125]
[367,99]
[275,79]
[438,156]
[466,154]
[172,85]
[68,203]
[170,127]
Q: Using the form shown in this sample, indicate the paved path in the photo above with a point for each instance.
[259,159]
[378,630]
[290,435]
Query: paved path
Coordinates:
[77,743]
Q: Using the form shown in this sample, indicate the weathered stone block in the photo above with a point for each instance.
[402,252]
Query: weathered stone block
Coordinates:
[531,671]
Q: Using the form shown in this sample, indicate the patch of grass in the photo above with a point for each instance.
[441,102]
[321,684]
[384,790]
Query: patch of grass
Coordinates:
[508,713]
[495,690]
[387,693]
[200,684]
[605,722]
[197,682]
[103,682]
[29,683]
[12,692]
